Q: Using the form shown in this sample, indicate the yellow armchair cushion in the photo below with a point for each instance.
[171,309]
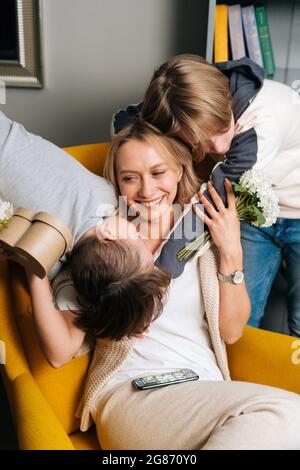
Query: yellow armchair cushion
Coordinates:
[267,358]
[91,156]
[61,387]
[43,426]
[85,440]
[16,361]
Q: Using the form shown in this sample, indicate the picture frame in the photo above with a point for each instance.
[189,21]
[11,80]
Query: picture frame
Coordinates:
[20,43]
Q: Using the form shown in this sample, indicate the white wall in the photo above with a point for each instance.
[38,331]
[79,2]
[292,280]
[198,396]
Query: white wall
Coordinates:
[99,55]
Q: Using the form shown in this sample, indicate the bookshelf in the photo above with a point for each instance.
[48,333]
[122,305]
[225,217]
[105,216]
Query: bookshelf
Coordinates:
[284,26]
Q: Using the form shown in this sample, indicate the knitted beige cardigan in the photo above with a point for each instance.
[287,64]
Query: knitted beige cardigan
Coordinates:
[109,356]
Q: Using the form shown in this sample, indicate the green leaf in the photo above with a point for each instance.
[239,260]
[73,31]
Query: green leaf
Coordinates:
[193,247]
[251,210]
[240,189]
[259,217]
[253,199]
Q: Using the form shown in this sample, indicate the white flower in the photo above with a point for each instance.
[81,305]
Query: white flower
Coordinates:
[6,212]
[257,182]
[258,197]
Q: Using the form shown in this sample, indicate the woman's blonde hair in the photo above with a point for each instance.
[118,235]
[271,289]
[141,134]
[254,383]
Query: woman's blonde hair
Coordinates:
[190,99]
[172,150]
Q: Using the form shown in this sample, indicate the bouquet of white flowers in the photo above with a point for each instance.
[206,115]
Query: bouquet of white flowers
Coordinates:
[256,203]
[6,212]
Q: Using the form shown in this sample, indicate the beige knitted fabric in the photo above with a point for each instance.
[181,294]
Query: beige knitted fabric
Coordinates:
[210,290]
[109,355]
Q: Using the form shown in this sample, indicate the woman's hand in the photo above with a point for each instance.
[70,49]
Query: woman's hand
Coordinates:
[223,223]
[224,226]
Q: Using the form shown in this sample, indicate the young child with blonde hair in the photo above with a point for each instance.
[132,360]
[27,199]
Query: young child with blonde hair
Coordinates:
[246,121]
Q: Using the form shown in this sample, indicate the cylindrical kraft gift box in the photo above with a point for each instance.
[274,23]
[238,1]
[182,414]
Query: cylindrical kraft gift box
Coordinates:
[43,244]
[16,227]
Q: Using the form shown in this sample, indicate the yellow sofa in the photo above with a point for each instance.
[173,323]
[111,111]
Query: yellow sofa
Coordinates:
[43,400]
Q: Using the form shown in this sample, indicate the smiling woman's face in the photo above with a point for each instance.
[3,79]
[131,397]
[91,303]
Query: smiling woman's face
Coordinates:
[146,179]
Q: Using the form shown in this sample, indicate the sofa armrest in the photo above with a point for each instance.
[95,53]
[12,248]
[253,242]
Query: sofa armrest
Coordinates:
[16,362]
[267,358]
[38,428]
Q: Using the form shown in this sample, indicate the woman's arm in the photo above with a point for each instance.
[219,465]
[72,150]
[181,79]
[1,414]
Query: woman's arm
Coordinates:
[234,304]
[224,227]
[59,338]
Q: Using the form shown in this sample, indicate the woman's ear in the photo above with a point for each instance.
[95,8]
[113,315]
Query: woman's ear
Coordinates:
[179,175]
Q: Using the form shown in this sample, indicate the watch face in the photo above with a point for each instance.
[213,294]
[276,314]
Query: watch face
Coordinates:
[238,277]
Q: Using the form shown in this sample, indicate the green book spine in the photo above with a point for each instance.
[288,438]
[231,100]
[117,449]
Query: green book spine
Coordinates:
[265,40]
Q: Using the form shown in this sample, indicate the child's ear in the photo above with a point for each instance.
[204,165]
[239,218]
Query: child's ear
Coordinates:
[104,233]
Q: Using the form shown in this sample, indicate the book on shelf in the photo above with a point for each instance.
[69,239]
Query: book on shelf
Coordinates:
[244,30]
[221,34]
[293,65]
[251,34]
[236,32]
[265,40]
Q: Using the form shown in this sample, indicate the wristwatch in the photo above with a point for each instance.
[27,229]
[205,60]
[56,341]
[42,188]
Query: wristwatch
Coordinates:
[235,278]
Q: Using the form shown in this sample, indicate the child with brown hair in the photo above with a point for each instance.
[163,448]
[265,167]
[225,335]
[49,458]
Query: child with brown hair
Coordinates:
[230,110]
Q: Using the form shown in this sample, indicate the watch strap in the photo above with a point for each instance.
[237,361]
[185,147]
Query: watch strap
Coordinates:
[224,278]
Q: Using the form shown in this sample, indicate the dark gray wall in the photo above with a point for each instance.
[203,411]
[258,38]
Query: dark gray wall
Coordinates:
[100,55]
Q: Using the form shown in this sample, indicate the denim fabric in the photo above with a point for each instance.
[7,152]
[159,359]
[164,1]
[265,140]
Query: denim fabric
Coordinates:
[264,249]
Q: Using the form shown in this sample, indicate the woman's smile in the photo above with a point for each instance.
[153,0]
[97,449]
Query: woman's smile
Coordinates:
[152,203]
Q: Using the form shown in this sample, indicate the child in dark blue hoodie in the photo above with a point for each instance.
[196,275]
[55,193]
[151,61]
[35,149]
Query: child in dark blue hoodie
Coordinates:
[232,111]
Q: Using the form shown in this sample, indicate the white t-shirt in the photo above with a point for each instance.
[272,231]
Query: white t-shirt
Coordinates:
[179,338]
[66,299]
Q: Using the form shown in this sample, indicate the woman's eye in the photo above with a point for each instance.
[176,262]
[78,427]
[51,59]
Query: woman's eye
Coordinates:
[128,178]
[157,173]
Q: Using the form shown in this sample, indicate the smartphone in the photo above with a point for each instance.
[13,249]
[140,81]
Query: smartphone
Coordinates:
[161,380]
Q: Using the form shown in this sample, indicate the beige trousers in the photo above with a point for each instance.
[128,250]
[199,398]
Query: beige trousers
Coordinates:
[199,415]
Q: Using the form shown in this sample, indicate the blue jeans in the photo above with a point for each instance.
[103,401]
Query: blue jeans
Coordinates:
[264,249]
